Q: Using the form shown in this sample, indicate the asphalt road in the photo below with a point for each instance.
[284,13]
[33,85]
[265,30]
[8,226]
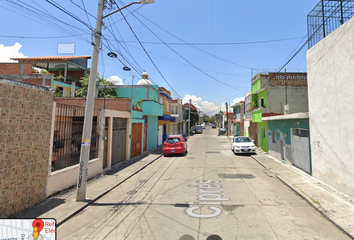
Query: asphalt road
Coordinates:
[209,192]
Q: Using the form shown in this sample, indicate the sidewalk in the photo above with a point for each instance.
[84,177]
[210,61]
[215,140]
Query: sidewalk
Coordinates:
[63,206]
[332,204]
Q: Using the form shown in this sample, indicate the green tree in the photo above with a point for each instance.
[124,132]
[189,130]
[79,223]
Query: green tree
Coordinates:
[102,92]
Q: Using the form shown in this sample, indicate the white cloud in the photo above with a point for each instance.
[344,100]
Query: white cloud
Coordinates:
[7,52]
[209,108]
[117,80]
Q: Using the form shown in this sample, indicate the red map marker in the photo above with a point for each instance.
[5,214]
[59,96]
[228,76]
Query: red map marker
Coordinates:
[39,224]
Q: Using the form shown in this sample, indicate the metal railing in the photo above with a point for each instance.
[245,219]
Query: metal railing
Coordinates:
[69,122]
[327,16]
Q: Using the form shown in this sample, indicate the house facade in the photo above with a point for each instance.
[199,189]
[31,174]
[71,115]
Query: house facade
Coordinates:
[289,139]
[275,94]
[145,112]
[177,114]
[165,120]
[238,116]
[63,73]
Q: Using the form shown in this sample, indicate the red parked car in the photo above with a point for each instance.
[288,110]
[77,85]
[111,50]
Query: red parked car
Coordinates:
[175,144]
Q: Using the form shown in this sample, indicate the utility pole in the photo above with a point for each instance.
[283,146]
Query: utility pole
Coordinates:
[189,117]
[86,134]
[227,121]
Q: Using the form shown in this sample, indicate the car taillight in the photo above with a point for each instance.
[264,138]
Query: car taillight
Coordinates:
[181,145]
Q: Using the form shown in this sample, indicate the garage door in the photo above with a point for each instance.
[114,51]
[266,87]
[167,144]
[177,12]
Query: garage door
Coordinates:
[300,149]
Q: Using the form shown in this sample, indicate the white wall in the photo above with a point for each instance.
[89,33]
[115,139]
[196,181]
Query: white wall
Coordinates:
[330,66]
[67,177]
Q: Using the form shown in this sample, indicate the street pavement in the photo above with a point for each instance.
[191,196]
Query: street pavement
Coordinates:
[208,192]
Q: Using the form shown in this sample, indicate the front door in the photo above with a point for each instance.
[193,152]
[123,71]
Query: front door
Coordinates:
[119,133]
[159,141]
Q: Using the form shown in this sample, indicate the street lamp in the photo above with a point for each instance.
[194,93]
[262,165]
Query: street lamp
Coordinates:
[87,130]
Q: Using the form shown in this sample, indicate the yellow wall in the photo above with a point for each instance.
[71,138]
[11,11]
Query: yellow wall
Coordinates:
[66,90]
[166,101]
[162,122]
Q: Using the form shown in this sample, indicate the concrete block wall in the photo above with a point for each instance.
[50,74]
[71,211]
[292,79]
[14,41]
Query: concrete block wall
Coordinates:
[25,124]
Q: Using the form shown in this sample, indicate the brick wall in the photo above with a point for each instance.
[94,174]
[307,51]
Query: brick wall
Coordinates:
[25,124]
[74,74]
[39,82]
[15,68]
[118,104]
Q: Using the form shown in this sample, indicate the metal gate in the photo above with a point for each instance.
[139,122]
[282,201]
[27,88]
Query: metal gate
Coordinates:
[300,149]
[119,133]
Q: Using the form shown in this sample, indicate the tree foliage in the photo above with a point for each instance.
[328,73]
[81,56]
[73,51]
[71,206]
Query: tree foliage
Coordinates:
[102,92]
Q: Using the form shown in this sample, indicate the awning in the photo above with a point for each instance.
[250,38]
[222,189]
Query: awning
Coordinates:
[166,118]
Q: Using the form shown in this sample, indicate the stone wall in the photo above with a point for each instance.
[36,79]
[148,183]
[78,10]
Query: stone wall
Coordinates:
[25,124]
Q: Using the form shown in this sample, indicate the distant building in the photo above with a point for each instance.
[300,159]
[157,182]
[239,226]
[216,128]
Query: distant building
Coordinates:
[64,72]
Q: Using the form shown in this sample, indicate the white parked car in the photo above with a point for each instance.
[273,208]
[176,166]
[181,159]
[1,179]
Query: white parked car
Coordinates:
[241,144]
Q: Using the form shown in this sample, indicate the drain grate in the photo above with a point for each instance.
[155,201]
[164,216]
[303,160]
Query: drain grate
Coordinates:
[212,152]
[237,176]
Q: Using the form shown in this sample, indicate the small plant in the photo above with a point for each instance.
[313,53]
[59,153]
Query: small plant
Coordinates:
[254,104]
[45,71]
[57,92]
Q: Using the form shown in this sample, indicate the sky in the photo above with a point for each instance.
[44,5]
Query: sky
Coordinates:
[206,51]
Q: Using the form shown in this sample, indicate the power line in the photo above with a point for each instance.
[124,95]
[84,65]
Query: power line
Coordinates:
[31,11]
[43,37]
[228,85]
[236,64]
[83,4]
[68,13]
[222,43]
[152,61]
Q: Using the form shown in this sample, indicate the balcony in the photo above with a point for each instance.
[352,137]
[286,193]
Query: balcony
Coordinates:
[152,108]
[239,117]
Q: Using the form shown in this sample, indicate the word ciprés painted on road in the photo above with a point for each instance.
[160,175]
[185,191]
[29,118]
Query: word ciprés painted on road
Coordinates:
[209,194]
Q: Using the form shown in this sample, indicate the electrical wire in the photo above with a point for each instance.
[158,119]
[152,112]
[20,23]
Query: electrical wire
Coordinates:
[83,4]
[236,64]
[47,37]
[152,61]
[29,10]
[68,13]
[222,43]
[228,85]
